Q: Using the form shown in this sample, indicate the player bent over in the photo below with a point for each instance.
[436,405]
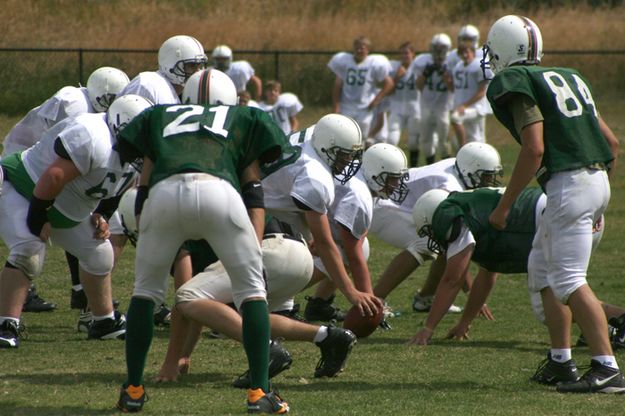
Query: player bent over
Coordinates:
[196,158]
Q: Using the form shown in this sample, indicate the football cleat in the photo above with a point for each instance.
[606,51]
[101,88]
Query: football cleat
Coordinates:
[10,332]
[260,402]
[618,336]
[424,304]
[131,399]
[291,313]
[78,299]
[34,303]
[318,309]
[551,372]
[279,360]
[599,379]
[335,349]
[162,315]
[110,328]
[84,320]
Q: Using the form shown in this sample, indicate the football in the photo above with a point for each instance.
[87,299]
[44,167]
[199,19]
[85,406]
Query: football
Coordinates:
[362,326]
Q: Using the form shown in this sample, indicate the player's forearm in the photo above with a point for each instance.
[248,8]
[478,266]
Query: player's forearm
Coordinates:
[610,137]
[331,259]
[482,286]
[446,293]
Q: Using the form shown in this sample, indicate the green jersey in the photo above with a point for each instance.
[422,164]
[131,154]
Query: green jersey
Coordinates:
[504,251]
[571,131]
[219,140]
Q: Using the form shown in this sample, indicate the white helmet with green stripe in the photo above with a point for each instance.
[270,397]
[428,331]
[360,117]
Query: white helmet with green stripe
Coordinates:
[512,40]
[209,87]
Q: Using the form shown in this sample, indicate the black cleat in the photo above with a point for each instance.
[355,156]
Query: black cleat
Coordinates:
[10,333]
[334,351]
[260,402]
[111,328]
[599,379]
[618,336]
[34,303]
[279,360]
[318,309]
[551,372]
[162,315]
[78,299]
[131,399]
[291,313]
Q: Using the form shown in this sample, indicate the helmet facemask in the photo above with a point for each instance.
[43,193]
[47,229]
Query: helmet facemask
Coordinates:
[486,63]
[433,245]
[392,186]
[484,178]
[343,163]
[187,67]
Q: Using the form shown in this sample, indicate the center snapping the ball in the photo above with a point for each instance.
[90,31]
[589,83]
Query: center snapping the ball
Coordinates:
[362,326]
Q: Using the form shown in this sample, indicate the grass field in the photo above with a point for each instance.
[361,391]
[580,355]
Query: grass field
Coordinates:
[57,372]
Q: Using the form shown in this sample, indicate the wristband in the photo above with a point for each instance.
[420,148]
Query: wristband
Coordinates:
[142,195]
[252,194]
[37,214]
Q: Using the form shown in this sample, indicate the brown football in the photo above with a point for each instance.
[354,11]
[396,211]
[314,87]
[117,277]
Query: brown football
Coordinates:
[362,326]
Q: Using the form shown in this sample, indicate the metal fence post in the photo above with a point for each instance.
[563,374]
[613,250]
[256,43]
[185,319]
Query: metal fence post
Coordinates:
[276,62]
[80,66]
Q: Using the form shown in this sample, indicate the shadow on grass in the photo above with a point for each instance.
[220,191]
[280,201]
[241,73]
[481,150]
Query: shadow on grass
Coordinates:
[527,346]
[18,409]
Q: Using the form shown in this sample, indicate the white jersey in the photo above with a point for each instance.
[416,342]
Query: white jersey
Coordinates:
[88,141]
[435,96]
[67,102]
[359,79]
[405,100]
[240,72]
[352,207]
[467,79]
[453,58]
[286,106]
[308,180]
[439,175]
[153,86]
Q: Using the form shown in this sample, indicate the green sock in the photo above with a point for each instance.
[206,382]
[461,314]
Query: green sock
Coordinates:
[256,342]
[139,333]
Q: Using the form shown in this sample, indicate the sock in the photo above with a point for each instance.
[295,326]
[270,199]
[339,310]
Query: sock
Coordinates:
[256,342]
[321,334]
[139,333]
[607,360]
[561,355]
[414,158]
[72,262]
[103,317]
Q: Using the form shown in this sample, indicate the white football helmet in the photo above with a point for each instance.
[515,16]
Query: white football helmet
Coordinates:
[439,47]
[209,87]
[126,210]
[337,139]
[175,53]
[288,263]
[103,86]
[512,40]
[423,212]
[222,57]
[469,33]
[124,109]
[478,165]
[386,170]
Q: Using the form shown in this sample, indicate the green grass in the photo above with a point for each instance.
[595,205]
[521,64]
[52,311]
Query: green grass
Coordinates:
[57,372]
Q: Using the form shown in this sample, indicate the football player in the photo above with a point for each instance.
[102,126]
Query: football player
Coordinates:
[196,159]
[301,190]
[467,34]
[240,72]
[103,85]
[355,92]
[50,192]
[468,83]
[282,107]
[405,111]
[436,99]
[568,147]
[477,165]
[205,299]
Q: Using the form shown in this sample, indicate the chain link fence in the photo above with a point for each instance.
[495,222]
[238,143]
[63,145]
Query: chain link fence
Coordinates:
[30,76]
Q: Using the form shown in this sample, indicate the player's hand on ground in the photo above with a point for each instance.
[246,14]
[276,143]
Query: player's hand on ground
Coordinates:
[101,227]
[486,313]
[459,332]
[367,303]
[168,374]
[422,337]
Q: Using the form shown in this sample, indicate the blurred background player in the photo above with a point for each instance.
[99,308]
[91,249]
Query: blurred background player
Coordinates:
[435,99]
[240,72]
[282,107]
[103,85]
[355,92]
[469,83]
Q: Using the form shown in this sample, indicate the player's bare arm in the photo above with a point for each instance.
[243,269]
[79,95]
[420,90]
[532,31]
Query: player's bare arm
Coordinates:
[357,262]
[610,137]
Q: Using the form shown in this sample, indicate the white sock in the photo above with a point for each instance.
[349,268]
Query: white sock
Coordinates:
[322,334]
[103,317]
[9,318]
[77,288]
[561,355]
[607,360]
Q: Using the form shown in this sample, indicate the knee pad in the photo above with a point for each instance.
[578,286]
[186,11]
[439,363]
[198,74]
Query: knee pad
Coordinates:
[98,261]
[31,266]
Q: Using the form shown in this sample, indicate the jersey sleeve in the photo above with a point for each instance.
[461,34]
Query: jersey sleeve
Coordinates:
[464,239]
[508,82]
[351,213]
[312,193]
[291,103]
[381,68]
[85,152]
[337,64]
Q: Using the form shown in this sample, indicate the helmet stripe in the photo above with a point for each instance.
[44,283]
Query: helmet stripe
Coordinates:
[532,41]
[204,87]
